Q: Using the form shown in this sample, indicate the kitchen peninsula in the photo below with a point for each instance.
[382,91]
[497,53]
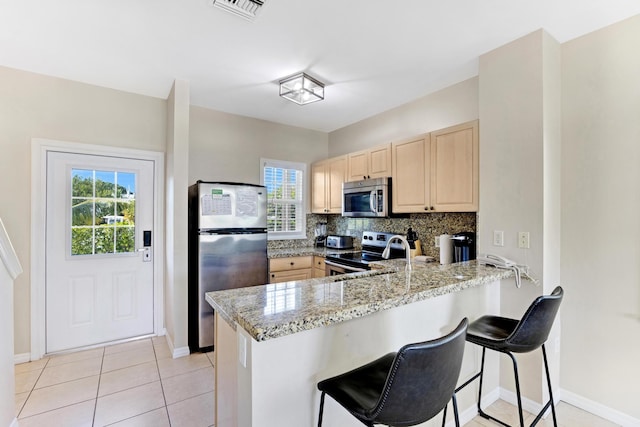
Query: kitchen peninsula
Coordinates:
[275,342]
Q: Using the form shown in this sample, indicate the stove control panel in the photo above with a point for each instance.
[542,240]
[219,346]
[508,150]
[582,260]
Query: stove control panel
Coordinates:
[379,239]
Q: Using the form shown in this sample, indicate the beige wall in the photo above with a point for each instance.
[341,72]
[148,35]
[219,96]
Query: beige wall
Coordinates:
[227,147]
[599,175]
[519,170]
[222,147]
[453,105]
[176,220]
[10,268]
[33,105]
[600,207]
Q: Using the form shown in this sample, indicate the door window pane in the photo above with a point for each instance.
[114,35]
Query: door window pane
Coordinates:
[81,240]
[82,183]
[102,212]
[81,212]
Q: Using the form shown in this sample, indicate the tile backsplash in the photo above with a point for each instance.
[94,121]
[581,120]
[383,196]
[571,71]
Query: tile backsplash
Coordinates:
[428,226]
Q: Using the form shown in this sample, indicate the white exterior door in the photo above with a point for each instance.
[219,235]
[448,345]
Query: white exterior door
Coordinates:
[99,260]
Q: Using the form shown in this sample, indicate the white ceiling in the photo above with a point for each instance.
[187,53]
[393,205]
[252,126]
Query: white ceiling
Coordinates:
[372,54]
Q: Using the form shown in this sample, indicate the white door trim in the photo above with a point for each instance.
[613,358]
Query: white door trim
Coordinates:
[39,149]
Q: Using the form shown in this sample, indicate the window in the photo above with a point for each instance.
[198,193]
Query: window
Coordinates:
[285,182]
[103,209]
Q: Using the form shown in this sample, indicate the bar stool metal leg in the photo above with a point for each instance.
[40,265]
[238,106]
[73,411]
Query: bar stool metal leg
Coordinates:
[321,409]
[550,402]
[518,396]
[456,417]
[481,374]
[546,368]
[515,370]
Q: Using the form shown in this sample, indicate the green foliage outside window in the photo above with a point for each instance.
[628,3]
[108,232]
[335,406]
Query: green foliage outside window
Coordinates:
[102,213]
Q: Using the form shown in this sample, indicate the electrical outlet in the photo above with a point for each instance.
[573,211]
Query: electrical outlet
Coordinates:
[523,240]
[498,238]
[437,239]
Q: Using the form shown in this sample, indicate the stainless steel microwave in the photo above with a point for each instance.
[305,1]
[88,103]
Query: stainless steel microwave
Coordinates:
[369,198]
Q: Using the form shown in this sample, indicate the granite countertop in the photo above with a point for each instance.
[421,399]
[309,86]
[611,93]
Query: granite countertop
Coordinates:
[306,251]
[279,309]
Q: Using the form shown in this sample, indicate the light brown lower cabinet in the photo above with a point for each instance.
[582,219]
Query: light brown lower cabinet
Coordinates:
[318,266]
[291,268]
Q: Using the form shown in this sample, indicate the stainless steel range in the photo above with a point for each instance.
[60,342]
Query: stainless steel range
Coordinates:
[373,243]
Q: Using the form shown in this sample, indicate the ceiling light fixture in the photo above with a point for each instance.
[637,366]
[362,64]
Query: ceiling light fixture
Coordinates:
[302,89]
[247,9]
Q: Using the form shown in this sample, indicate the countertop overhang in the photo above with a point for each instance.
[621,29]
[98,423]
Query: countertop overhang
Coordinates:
[276,310]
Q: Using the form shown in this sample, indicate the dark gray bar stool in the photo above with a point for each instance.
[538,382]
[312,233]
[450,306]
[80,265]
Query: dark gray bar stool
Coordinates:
[404,388]
[517,336]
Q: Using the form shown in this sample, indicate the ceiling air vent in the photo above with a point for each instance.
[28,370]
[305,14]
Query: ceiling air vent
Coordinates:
[247,9]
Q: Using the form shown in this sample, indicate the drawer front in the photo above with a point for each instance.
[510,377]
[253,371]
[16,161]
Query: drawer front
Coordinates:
[291,263]
[286,276]
[318,262]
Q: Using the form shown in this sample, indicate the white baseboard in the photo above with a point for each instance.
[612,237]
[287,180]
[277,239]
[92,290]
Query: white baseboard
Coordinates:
[21,358]
[599,409]
[176,352]
[528,405]
[489,398]
[181,352]
[470,413]
[533,407]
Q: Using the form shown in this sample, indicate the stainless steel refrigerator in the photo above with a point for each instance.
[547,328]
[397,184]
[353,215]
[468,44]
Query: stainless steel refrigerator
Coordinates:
[227,248]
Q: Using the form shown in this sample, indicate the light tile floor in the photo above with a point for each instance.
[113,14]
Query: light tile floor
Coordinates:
[138,384]
[567,416]
[131,384]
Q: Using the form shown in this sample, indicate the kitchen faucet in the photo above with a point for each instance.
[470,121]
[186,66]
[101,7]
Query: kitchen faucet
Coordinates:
[405,245]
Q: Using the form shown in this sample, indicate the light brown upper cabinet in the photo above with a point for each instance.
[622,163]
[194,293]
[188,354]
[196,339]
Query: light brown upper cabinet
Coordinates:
[368,164]
[327,177]
[437,172]
[454,168]
[411,188]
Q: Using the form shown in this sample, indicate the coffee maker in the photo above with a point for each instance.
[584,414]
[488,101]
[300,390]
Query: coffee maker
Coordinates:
[464,246]
[320,234]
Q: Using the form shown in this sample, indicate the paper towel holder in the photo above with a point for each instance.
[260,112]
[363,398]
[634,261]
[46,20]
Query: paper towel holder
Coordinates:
[446,249]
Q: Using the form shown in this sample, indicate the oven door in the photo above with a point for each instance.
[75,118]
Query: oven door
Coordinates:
[333,268]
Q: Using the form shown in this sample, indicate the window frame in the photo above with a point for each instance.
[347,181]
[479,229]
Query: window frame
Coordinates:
[302,219]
